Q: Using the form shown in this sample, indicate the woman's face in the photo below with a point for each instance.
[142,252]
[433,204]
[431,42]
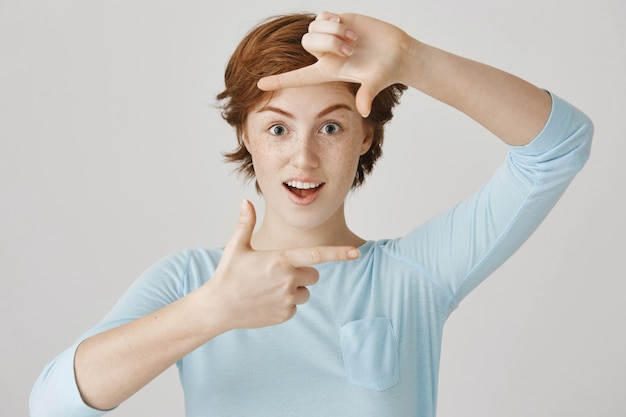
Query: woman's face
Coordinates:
[305,145]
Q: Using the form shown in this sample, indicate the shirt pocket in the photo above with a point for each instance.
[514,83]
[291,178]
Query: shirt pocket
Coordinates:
[370,353]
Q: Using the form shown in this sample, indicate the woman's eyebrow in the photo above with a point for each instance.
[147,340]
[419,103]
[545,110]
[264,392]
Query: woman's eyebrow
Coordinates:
[275,110]
[333,108]
[324,112]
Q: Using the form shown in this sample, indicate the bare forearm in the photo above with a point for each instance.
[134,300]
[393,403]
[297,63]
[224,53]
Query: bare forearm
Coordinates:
[511,108]
[249,289]
[112,366]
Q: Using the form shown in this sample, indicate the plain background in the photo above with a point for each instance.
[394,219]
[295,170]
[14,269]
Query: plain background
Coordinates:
[110,158]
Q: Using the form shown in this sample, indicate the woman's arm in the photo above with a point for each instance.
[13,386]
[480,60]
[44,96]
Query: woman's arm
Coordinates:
[376,54]
[511,108]
[462,246]
[248,289]
[549,140]
[113,365]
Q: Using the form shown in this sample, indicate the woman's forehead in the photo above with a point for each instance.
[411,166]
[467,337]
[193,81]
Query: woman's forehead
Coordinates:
[309,99]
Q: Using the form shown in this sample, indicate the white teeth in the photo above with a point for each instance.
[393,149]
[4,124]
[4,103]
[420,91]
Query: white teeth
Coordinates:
[303,185]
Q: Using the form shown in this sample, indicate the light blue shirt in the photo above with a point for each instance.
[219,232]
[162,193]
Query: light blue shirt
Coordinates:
[368,341]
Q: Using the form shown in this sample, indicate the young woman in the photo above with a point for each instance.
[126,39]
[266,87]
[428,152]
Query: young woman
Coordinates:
[302,316]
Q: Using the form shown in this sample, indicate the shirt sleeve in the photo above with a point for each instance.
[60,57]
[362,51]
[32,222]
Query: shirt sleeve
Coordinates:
[465,244]
[55,393]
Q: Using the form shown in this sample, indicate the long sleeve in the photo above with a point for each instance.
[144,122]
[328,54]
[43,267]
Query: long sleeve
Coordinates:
[461,247]
[437,264]
[55,393]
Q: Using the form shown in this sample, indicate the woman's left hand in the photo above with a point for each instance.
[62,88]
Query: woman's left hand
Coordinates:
[351,48]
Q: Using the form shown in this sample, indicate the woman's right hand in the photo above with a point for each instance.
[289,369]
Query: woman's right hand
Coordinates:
[252,289]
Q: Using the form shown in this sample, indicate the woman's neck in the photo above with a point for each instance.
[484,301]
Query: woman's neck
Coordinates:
[275,234]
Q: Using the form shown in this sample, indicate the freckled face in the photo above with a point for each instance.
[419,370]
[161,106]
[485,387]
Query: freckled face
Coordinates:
[305,145]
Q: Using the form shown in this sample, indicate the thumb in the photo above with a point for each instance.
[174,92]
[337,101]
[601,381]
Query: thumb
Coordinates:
[363,100]
[245,226]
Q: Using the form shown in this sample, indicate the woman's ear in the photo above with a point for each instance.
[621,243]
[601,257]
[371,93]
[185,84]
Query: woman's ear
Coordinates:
[367,139]
[244,139]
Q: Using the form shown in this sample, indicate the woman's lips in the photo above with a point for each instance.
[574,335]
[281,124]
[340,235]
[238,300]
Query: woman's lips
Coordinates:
[303,193]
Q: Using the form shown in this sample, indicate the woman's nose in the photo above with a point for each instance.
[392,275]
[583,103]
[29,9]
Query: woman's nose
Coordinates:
[304,154]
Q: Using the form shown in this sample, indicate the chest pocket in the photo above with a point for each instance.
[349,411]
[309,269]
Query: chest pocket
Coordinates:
[370,353]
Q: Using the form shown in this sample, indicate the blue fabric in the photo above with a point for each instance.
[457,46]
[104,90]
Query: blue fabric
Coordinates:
[368,341]
[370,353]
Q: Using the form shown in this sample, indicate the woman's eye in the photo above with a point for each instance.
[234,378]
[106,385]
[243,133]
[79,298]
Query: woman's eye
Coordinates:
[278,130]
[330,128]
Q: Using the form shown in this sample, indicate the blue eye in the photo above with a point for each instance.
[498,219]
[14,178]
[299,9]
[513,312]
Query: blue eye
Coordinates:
[330,128]
[278,130]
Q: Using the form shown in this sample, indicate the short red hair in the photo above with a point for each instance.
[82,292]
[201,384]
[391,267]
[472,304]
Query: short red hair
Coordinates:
[274,47]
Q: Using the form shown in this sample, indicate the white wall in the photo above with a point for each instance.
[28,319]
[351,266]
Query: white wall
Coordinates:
[110,159]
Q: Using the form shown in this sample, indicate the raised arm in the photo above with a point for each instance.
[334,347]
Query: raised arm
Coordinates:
[377,54]
[549,140]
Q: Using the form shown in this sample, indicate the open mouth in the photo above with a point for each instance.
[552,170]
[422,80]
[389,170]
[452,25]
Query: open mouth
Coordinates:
[303,189]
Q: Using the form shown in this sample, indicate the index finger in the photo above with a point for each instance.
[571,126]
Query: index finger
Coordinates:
[317,255]
[301,77]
